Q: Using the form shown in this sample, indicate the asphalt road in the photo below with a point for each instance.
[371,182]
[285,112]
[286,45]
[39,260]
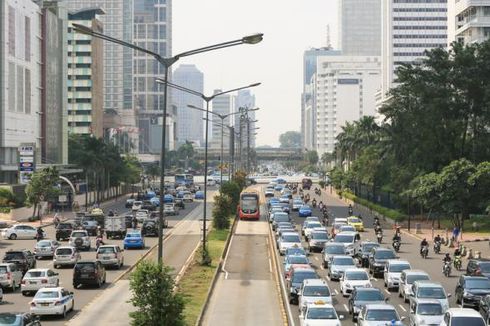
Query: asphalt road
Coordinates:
[409,251]
[15,302]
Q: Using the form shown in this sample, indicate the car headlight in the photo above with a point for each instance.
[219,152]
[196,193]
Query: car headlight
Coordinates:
[467,294]
[347,285]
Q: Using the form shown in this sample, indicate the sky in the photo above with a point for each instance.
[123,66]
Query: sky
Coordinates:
[289,28]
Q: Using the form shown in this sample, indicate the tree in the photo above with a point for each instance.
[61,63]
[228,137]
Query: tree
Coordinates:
[232,190]
[154,297]
[153,170]
[311,157]
[42,187]
[290,139]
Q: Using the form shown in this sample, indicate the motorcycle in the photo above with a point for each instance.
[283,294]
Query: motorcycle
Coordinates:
[379,236]
[313,203]
[457,262]
[424,252]
[351,211]
[396,245]
[98,243]
[437,247]
[447,268]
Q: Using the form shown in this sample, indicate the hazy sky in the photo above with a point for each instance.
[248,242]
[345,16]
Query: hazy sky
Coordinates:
[289,28]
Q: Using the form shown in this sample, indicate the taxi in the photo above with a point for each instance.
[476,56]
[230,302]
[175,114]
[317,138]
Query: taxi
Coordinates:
[52,301]
[356,222]
[97,211]
[319,313]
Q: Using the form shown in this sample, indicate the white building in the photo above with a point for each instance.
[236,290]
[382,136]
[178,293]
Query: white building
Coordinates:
[345,91]
[245,99]
[468,21]
[222,105]
[409,27]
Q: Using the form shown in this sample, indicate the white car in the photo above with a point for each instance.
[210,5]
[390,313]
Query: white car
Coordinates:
[110,255]
[187,197]
[393,272]
[142,215]
[309,228]
[313,290]
[379,314]
[339,265]
[10,276]
[45,248]
[211,182]
[38,278]
[288,240]
[20,231]
[353,278]
[462,316]
[137,205]
[349,240]
[342,220]
[426,312]
[66,255]
[79,239]
[52,301]
[170,209]
[406,280]
[269,193]
[319,313]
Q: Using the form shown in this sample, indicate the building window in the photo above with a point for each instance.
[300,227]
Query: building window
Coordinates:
[28,39]
[20,89]
[162,32]
[11,89]
[27,92]
[11,31]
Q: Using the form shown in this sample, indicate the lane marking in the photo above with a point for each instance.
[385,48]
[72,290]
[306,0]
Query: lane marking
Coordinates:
[321,266]
[226,256]
[345,307]
[316,258]
[336,292]
[388,292]
[402,308]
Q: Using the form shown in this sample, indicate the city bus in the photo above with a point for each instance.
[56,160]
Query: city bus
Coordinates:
[184,180]
[249,206]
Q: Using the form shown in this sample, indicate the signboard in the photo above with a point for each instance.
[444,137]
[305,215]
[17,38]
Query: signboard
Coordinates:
[26,159]
[26,150]
[26,162]
[24,177]
[62,198]
[348,81]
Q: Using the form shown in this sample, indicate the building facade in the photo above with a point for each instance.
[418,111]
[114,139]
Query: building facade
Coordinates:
[360,27]
[189,121]
[468,21]
[85,74]
[223,105]
[245,99]
[345,89]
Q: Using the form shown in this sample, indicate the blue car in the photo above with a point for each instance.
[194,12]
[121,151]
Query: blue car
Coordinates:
[273,201]
[199,194]
[304,211]
[155,201]
[134,239]
[150,194]
[168,199]
[278,187]
[295,259]
[296,251]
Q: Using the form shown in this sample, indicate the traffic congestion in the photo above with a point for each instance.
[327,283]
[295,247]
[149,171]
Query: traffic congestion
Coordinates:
[342,266]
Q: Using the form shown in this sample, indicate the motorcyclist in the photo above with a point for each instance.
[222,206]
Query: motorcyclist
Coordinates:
[438,238]
[457,252]
[39,234]
[377,229]
[376,222]
[111,213]
[351,210]
[423,244]
[320,205]
[313,202]
[134,222]
[99,241]
[447,258]
[397,237]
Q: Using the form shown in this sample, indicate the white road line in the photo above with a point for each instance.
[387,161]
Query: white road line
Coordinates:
[336,292]
[402,308]
[321,266]
[345,307]
[387,292]
[316,258]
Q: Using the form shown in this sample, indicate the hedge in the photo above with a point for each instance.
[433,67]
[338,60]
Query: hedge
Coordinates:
[387,212]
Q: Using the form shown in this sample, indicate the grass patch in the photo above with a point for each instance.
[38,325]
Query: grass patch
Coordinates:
[195,283]
[389,213]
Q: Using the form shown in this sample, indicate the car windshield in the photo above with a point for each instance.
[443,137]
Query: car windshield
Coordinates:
[300,276]
[64,226]
[106,250]
[484,267]
[343,261]
[133,235]
[429,309]
[348,228]
[305,207]
[368,246]
[354,220]
[316,291]
[431,292]
[3,269]
[297,260]
[466,321]
[64,251]
[418,277]
[43,243]
[344,238]
[291,238]
[335,250]
[281,218]
[35,274]
[296,251]
[13,256]
[297,202]
[312,225]
[381,315]
[47,295]
[321,313]
[369,296]
[78,234]
[86,267]
[356,276]
[384,254]
[398,268]
[478,284]
[319,236]
[8,319]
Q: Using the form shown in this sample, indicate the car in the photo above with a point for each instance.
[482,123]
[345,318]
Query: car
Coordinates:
[45,248]
[336,227]
[179,202]
[89,272]
[305,211]
[168,198]
[52,301]
[110,255]
[24,259]
[97,211]
[134,239]
[36,279]
[269,193]
[187,196]
[297,204]
[278,187]
[20,231]
[199,194]
[296,251]
[136,205]
[364,250]
[429,290]
[273,201]
[149,228]
[129,203]
[170,209]
[309,228]
[338,266]
[296,275]
[90,224]
[10,276]
[407,277]
[63,231]
[393,271]
[477,267]
[348,228]
[66,256]
[349,240]
[280,217]
[282,229]
[354,278]
[319,313]
[19,319]
[149,205]
[340,220]
[273,210]
[378,314]
[485,309]
[470,290]
[317,240]
[377,260]
[426,312]
[310,219]
[313,290]
[361,297]
[287,240]
[294,260]
[284,199]
[462,316]
[142,215]
[356,222]
[211,182]
[80,239]
[330,250]
[285,207]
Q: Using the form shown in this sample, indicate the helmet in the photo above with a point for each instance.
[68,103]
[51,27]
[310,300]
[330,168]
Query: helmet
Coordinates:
[447,255]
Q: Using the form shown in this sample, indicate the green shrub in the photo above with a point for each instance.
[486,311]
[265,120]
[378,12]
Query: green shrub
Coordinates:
[232,190]
[222,209]
[5,210]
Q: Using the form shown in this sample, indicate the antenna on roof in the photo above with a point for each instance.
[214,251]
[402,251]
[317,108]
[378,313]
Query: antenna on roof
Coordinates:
[328,45]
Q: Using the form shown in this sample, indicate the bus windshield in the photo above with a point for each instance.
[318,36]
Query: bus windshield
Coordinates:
[249,203]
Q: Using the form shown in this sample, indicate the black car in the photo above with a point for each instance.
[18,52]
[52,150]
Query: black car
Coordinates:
[379,257]
[485,309]
[363,296]
[128,220]
[149,228]
[179,202]
[23,258]
[19,319]
[63,231]
[364,252]
[89,272]
[477,267]
[148,205]
[470,290]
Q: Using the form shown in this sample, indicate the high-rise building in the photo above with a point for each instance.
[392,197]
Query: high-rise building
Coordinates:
[245,99]
[223,105]
[409,28]
[85,74]
[189,121]
[345,88]
[360,27]
[468,21]
[152,30]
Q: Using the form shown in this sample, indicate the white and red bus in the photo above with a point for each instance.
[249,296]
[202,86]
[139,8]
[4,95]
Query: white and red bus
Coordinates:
[249,206]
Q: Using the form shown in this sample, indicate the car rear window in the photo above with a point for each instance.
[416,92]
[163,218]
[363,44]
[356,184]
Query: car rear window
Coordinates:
[3,269]
[133,235]
[316,291]
[79,234]
[417,277]
[466,321]
[369,296]
[85,267]
[7,319]
[398,268]
[300,276]
[64,251]
[47,295]
[14,256]
[484,266]
[65,226]
[43,243]
[36,274]
[106,250]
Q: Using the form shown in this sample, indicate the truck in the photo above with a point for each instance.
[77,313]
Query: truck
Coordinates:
[115,226]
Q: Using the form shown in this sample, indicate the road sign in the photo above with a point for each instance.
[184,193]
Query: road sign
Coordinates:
[26,159]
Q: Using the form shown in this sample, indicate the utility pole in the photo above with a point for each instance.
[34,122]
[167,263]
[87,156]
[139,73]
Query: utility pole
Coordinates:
[248,145]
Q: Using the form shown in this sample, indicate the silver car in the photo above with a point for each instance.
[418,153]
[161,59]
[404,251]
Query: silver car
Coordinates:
[110,255]
[66,256]
[379,314]
[45,248]
[10,276]
[339,265]
[426,312]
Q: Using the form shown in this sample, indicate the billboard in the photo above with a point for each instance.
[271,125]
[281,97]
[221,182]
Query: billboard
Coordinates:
[26,162]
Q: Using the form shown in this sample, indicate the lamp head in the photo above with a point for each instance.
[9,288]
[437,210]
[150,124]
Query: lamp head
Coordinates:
[253,39]
[82,29]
